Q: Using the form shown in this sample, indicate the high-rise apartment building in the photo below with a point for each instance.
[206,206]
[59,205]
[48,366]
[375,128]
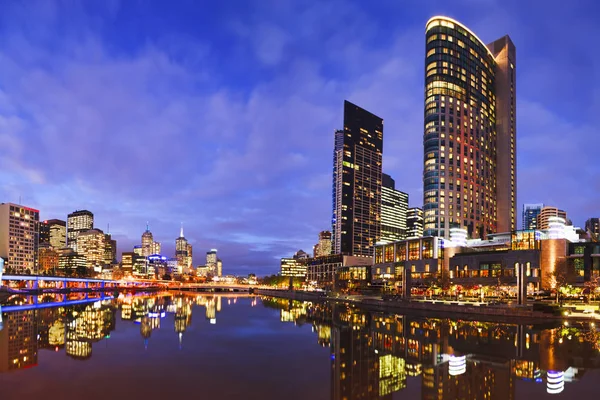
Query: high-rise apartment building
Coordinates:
[78,221]
[19,230]
[469,177]
[394,206]
[356,219]
[414,223]
[91,244]
[530,214]
[547,212]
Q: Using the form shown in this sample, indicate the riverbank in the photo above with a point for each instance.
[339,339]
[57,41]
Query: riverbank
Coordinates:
[7,292]
[479,312]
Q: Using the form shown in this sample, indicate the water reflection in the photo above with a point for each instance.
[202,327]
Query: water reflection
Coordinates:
[373,353]
[74,324]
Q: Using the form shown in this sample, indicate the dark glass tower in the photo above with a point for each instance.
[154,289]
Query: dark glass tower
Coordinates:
[469,177]
[357,178]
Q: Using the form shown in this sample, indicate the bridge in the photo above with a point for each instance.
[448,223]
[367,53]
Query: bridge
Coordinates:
[49,283]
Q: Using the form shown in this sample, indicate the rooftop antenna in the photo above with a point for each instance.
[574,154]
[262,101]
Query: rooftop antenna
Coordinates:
[147,226]
[108,228]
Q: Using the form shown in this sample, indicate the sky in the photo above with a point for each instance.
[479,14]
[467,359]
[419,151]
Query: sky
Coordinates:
[221,115]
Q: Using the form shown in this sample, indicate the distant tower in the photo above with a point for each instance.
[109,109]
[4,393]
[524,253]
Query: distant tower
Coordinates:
[147,242]
[181,252]
[211,262]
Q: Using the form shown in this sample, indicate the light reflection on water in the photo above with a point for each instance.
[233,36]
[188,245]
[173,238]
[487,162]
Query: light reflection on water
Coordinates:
[351,353]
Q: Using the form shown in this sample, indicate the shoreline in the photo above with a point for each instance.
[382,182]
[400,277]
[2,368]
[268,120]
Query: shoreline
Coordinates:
[429,309]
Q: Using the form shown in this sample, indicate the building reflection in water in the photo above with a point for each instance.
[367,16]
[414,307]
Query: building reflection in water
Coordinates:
[373,353]
[76,328]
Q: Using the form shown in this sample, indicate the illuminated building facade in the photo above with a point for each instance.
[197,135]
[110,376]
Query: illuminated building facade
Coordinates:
[78,221]
[530,214]
[19,230]
[69,261]
[47,260]
[469,178]
[54,233]
[292,267]
[110,250]
[394,207]
[547,212]
[356,219]
[147,242]
[323,248]
[181,252]
[91,244]
[321,271]
[414,223]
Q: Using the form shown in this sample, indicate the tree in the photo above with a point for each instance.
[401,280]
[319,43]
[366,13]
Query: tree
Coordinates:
[558,279]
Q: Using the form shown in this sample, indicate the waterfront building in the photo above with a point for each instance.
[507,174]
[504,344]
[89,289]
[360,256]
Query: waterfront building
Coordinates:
[547,212]
[469,178]
[592,227]
[530,215]
[159,266]
[19,230]
[78,221]
[321,271]
[137,249]
[219,268]
[91,244]
[356,219]
[394,207]
[414,222]
[127,261]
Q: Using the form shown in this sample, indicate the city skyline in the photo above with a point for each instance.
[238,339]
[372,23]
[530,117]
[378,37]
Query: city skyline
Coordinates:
[112,114]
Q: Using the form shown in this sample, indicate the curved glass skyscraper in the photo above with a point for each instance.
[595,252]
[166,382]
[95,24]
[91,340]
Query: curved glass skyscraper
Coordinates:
[469,176]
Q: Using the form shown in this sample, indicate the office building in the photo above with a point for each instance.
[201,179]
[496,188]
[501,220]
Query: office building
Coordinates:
[70,262]
[414,222]
[19,230]
[394,206]
[295,266]
[356,219]
[78,221]
[137,249]
[530,214]
[110,250]
[91,245]
[47,260]
[211,261]
[546,213]
[147,242]
[469,176]
[44,234]
[181,253]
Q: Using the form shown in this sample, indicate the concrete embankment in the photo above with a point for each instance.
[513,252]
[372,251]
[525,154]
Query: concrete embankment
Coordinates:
[430,309]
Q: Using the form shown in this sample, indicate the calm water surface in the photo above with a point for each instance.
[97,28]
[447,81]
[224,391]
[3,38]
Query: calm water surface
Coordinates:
[236,347]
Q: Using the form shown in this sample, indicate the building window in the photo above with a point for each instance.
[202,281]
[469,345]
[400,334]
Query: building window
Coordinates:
[413,250]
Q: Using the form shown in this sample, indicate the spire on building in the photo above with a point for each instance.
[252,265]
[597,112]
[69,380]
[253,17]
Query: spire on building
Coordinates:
[181,233]
[147,226]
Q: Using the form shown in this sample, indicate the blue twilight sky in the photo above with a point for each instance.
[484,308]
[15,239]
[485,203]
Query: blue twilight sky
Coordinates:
[221,114]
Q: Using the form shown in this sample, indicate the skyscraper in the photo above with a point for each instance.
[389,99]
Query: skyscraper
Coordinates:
[356,219]
[91,244]
[394,205]
[414,222]
[211,261]
[469,177]
[181,252]
[110,249]
[78,221]
[19,230]
[530,213]
[147,242]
